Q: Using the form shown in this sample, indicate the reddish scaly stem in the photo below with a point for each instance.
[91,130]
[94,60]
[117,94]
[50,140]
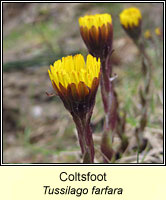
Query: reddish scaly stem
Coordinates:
[108,95]
[85,138]
[110,108]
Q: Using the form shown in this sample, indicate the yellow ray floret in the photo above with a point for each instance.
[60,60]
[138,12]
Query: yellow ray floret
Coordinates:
[95,20]
[73,69]
[130,17]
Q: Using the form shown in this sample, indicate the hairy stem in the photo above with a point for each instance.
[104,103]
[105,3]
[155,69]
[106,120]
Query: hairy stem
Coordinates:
[85,138]
[147,67]
[110,107]
[108,95]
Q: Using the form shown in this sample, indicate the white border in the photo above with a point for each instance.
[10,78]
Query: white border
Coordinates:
[97,164]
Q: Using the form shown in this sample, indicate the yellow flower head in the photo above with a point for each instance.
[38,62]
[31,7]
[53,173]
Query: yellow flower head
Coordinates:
[147,34]
[73,69]
[130,17]
[95,20]
[157,31]
[97,33]
[74,80]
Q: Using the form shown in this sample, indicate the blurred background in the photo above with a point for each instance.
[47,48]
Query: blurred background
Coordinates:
[37,128]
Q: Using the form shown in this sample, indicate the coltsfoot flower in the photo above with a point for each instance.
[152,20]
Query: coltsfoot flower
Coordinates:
[97,33]
[157,31]
[76,83]
[130,20]
[147,34]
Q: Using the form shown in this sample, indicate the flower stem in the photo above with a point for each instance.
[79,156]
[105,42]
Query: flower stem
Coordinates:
[108,95]
[147,67]
[85,138]
[110,107]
